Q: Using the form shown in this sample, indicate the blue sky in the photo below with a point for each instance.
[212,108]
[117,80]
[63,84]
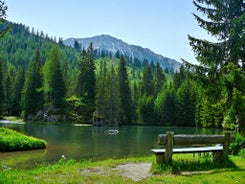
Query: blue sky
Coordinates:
[160,25]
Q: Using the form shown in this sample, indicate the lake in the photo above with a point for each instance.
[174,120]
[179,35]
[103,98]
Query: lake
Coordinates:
[89,142]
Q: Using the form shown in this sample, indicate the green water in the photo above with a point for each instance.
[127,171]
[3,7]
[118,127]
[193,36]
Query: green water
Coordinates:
[88,142]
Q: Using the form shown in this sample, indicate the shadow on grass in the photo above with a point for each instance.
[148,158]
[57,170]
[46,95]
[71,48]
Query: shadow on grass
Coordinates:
[202,164]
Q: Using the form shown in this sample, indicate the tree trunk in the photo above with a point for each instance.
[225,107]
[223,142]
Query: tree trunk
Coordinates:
[240,122]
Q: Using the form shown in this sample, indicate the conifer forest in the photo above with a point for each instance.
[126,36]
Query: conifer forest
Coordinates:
[42,79]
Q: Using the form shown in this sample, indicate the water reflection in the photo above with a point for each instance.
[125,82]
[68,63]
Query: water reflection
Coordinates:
[88,142]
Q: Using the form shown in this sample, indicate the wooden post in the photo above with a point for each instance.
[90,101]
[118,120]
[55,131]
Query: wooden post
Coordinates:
[169,147]
[226,144]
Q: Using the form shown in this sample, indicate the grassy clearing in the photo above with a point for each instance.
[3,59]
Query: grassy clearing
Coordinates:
[70,171]
[13,118]
[11,140]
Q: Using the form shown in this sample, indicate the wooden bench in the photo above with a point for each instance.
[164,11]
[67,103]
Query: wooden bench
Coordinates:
[217,144]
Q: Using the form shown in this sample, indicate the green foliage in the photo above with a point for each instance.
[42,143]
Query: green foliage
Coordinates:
[17,92]
[1,90]
[238,145]
[125,110]
[185,104]
[105,171]
[54,84]
[190,163]
[33,87]
[86,76]
[165,106]
[159,79]
[3,14]
[76,109]
[117,90]
[221,70]
[147,110]
[147,81]
[11,140]
[107,102]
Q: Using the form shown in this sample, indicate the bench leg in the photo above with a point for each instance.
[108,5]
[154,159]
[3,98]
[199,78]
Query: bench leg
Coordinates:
[217,156]
[160,158]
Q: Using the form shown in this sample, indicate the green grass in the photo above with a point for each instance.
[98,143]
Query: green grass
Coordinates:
[13,118]
[70,171]
[11,140]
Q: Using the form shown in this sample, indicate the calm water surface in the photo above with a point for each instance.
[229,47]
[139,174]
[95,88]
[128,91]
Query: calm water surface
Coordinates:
[88,142]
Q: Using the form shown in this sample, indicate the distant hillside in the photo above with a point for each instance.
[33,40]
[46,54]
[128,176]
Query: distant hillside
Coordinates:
[111,44]
[20,44]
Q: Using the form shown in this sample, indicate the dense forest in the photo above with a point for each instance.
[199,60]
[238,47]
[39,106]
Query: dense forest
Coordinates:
[43,80]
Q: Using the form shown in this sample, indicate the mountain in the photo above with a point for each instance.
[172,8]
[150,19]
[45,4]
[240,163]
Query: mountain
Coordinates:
[111,44]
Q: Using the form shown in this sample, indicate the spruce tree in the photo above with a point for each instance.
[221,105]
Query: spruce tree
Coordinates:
[8,90]
[222,63]
[125,93]
[147,81]
[185,104]
[90,78]
[3,14]
[82,73]
[17,92]
[101,98]
[32,96]
[165,106]
[77,45]
[1,91]
[159,79]
[54,83]
[113,102]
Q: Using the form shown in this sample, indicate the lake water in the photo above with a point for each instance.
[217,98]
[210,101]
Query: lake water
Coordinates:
[88,142]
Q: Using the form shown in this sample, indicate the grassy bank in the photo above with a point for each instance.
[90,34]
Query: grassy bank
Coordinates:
[11,140]
[106,171]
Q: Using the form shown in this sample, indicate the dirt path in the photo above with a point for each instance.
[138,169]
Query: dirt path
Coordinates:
[134,171]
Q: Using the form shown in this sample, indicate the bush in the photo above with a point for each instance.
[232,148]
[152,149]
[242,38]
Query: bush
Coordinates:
[11,140]
[238,145]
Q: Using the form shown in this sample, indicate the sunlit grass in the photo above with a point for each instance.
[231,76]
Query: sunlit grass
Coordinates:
[70,171]
[13,118]
[11,140]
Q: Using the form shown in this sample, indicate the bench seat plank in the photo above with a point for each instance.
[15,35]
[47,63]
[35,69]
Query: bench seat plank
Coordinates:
[190,149]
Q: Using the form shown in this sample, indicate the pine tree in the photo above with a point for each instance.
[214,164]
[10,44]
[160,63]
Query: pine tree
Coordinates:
[159,79]
[165,106]
[86,81]
[125,93]
[77,45]
[8,90]
[147,81]
[147,110]
[3,11]
[90,78]
[101,98]
[222,64]
[1,91]
[32,97]
[82,73]
[113,102]
[17,92]
[135,100]
[3,14]
[185,104]
[53,79]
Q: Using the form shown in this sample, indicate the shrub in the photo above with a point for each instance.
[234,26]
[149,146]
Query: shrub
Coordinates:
[238,145]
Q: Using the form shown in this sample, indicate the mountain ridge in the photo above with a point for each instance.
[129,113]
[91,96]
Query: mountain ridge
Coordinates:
[113,45]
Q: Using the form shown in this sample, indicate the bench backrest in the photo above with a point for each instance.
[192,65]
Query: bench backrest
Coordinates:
[182,139]
[170,140]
